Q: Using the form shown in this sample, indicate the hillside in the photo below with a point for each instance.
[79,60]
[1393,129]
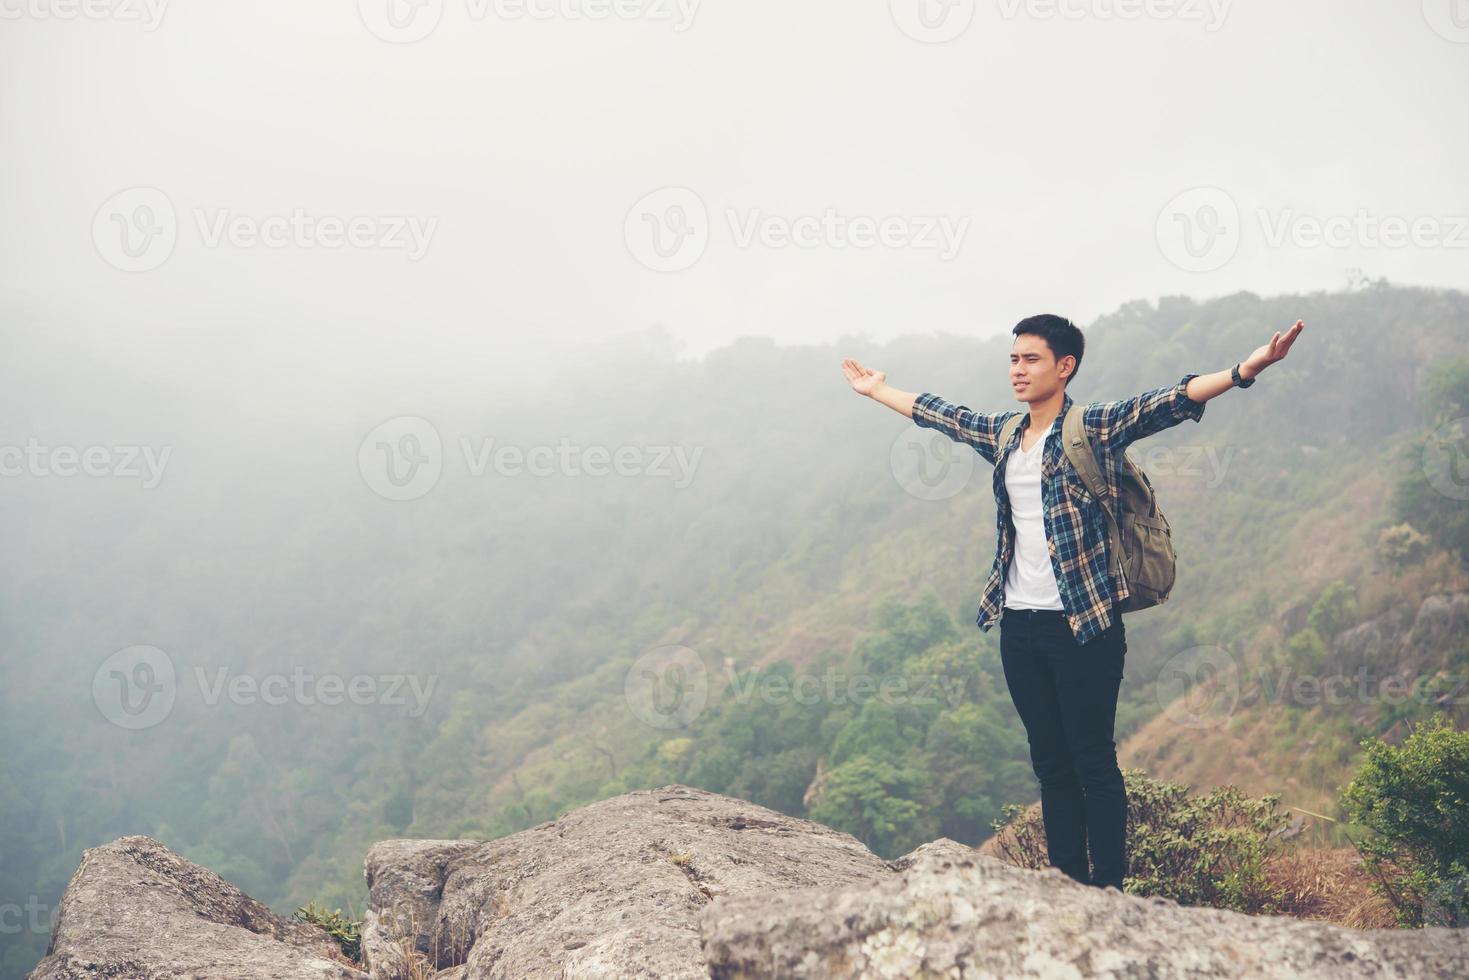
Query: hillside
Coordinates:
[1297,511]
[795,554]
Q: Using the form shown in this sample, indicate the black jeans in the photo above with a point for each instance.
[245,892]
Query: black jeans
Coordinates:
[1066,695]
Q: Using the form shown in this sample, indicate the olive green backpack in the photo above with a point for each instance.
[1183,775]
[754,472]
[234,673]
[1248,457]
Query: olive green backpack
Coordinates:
[1136,528]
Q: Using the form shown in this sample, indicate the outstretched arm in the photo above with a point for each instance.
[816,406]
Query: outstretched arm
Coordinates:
[1206,386]
[1121,423]
[927,410]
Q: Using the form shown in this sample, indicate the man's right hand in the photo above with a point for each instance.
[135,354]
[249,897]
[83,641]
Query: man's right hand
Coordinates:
[863,380]
[873,384]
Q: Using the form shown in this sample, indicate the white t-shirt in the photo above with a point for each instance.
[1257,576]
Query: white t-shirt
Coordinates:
[1030,582]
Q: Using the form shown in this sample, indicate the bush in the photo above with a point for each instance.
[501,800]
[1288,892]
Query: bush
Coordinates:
[346,932]
[1401,546]
[1209,850]
[879,803]
[1335,610]
[1413,803]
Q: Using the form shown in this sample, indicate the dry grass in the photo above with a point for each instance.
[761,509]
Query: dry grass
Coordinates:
[1322,884]
[404,961]
[1006,846]
[1329,886]
[416,966]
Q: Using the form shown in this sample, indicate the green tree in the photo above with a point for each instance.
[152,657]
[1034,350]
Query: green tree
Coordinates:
[1335,610]
[878,803]
[1413,801]
[1434,470]
[906,630]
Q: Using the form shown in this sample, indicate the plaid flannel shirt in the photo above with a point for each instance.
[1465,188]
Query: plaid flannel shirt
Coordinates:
[1076,528]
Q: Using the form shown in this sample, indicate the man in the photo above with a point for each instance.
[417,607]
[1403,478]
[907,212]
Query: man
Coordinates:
[1062,644]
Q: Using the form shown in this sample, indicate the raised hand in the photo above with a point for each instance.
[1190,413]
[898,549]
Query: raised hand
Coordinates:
[863,380]
[1271,352]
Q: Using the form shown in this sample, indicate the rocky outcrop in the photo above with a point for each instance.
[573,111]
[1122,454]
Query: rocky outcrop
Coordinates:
[1404,635]
[683,883]
[1442,620]
[1410,640]
[136,910]
[950,912]
[613,889]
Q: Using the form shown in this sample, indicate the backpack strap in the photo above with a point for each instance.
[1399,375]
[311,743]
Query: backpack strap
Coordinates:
[1007,431]
[1080,452]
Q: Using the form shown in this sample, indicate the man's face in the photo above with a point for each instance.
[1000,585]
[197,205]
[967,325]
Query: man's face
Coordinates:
[1034,375]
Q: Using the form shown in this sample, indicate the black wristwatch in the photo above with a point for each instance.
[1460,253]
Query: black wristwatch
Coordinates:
[1238,381]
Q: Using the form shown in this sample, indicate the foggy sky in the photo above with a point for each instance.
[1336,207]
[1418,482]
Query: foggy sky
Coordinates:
[1057,140]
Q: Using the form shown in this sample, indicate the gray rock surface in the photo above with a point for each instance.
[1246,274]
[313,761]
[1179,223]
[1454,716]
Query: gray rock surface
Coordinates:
[951,912]
[136,910]
[1441,620]
[612,889]
[682,883]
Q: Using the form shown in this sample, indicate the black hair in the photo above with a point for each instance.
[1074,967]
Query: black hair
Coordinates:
[1060,334]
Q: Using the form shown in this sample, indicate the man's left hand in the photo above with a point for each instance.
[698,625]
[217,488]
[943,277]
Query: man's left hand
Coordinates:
[1275,350]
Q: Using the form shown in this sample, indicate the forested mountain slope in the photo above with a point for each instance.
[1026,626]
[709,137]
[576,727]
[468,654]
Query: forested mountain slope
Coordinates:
[795,546]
